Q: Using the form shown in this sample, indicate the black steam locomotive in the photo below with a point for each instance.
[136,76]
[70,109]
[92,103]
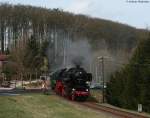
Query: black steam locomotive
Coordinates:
[71,83]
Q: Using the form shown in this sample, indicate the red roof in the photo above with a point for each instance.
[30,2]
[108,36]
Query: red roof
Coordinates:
[3,57]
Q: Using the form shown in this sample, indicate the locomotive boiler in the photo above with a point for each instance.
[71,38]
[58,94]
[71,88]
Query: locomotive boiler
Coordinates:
[72,83]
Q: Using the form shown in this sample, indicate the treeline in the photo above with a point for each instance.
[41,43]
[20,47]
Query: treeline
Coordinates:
[27,59]
[20,22]
[130,86]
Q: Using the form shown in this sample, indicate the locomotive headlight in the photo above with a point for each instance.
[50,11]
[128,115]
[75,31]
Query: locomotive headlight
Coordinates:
[87,82]
[73,89]
[87,89]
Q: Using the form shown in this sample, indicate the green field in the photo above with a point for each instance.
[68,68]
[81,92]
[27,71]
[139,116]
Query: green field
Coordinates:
[43,106]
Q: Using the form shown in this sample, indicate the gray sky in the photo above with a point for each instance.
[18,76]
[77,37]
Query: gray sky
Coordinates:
[134,14]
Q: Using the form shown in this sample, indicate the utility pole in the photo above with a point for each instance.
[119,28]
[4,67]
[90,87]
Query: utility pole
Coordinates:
[96,75]
[103,78]
[55,43]
[64,49]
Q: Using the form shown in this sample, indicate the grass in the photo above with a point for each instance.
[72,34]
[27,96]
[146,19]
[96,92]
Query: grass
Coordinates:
[43,106]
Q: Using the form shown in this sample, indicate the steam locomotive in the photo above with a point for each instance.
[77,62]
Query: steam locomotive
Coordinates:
[71,83]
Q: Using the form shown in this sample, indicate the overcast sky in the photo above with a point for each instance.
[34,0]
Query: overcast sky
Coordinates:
[135,14]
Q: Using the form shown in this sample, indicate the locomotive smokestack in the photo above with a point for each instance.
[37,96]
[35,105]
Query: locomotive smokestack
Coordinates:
[77,66]
[78,61]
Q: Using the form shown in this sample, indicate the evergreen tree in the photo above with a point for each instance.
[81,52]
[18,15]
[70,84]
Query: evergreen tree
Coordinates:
[32,58]
[130,87]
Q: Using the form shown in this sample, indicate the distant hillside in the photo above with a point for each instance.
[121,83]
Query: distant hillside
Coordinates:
[19,20]
[106,38]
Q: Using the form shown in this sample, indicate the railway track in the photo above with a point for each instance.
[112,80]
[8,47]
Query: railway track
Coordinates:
[113,111]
